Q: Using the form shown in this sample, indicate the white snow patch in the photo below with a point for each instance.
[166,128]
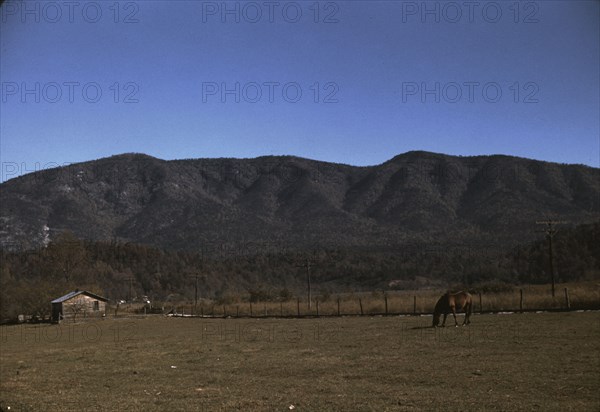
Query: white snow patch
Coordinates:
[45,235]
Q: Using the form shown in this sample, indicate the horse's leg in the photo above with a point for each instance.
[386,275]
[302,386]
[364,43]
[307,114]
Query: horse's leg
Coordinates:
[454,314]
[468,315]
[444,321]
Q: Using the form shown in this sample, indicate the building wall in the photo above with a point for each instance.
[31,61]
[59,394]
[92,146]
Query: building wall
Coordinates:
[81,306]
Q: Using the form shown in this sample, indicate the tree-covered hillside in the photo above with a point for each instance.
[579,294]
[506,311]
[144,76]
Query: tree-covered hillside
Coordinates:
[29,280]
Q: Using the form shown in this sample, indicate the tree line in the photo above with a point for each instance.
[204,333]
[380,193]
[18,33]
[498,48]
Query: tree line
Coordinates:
[29,280]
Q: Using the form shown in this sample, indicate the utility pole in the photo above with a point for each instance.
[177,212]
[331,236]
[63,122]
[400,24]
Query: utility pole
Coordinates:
[308,283]
[307,266]
[550,231]
[196,293]
[129,296]
[195,274]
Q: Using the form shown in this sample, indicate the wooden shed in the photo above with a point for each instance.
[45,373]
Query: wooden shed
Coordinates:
[78,304]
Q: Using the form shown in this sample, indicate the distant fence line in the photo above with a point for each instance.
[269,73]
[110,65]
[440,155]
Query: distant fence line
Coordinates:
[381,305]
[358,307]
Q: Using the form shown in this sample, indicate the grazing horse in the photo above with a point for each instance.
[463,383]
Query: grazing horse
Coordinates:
[451,302]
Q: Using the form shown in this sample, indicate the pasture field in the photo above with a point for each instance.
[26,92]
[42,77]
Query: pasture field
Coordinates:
[532,361]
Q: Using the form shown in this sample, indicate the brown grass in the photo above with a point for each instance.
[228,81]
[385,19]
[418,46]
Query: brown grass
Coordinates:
[535,297]
[546,361]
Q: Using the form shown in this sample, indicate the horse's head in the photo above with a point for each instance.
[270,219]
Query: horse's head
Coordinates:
[436,320]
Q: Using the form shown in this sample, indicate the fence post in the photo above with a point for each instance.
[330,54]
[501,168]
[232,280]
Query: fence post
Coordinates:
[237,311]
[202,311]
[567,300]
[480,304]
[265,309]
[250,309]
[361,308]
[224,311]
[298,307]
[386,304]
[317,300]
[338,302]
[521,300]
[414,305]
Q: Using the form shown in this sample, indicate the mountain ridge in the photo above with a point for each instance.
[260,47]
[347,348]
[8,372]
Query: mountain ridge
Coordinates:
[140,155]
[296,202]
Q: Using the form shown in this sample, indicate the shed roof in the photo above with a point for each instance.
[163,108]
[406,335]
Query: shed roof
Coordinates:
[78,292]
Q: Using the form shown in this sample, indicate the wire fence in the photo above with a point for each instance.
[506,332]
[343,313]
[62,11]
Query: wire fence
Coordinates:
[384,305]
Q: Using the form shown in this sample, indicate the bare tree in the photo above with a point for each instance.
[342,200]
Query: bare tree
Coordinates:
[79,306]
[67,255]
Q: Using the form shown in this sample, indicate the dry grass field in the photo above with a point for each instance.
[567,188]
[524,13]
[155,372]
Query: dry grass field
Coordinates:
[544,361]
[582,295]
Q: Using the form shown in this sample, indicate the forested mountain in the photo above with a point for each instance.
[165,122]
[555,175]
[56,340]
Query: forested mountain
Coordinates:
[288,203]
[246,227]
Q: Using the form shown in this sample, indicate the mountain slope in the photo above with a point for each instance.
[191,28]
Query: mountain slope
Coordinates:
[288,202]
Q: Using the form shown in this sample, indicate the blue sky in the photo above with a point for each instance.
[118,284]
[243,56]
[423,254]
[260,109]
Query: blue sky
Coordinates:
[354,82]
